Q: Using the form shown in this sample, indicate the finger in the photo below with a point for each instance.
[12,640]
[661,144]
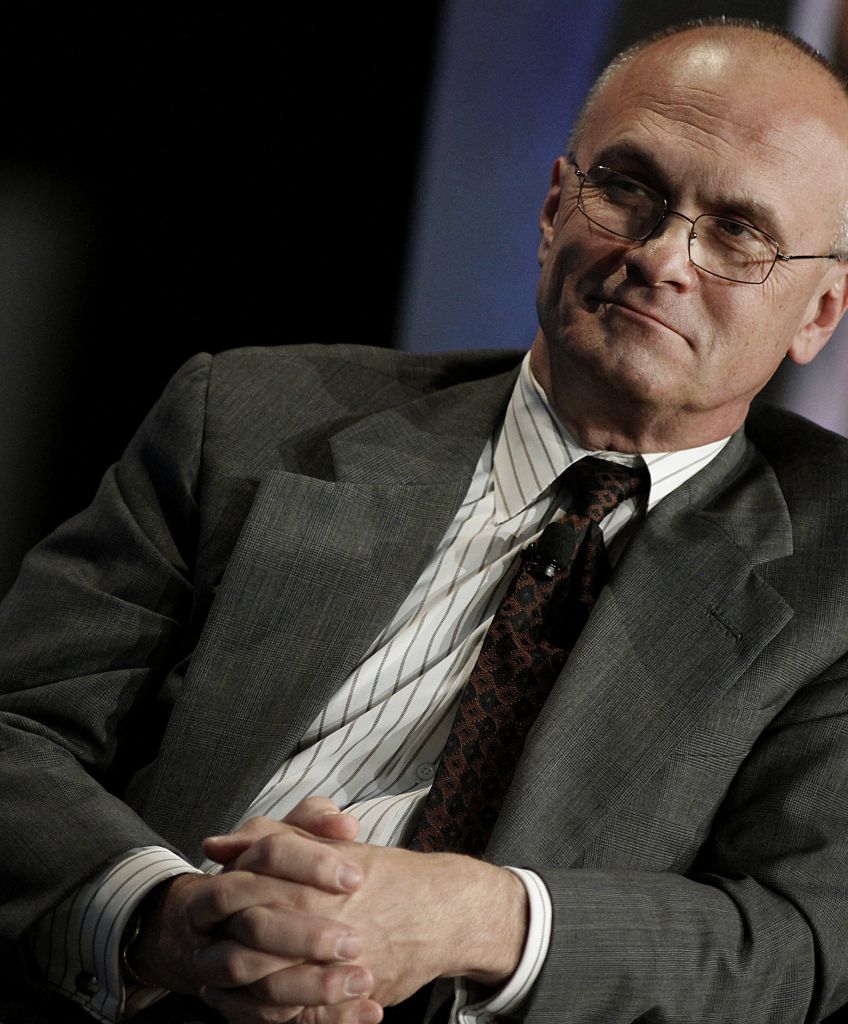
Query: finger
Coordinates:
[231,964]
[238,1006]
[320,816]
[309,806]
[282,996]
[289,933]
[225,849]
[317,815]
[215,899]
[293,855]
[309,984]
[355,1011]
[297,857]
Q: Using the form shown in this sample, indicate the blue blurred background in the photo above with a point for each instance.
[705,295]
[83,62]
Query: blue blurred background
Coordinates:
[181,181]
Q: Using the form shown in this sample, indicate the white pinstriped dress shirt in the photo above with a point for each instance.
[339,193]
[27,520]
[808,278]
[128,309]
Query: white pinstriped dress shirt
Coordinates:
[375,747]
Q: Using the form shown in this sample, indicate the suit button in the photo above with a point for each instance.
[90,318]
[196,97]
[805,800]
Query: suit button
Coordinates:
[87,983]
[425,772]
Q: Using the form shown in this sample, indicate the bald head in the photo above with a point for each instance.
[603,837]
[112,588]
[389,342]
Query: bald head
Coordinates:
[773,71]
[758,38]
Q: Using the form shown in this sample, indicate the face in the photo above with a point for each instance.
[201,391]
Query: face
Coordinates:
[635,325]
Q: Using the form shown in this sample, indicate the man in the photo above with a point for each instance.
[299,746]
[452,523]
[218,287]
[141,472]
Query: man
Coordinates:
[299,547]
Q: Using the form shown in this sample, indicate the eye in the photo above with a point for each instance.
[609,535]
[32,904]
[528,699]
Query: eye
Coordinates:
[736,230]
[621,189]
[734,227]
[722,240]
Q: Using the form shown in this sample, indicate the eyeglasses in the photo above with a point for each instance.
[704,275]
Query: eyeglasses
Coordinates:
[730,249]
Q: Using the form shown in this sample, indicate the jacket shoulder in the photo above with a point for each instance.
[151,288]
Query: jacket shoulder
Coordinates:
[804,456]
[276,406]
[353,366]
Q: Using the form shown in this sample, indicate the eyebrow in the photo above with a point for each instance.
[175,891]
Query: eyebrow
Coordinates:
[735,206]
[759,214]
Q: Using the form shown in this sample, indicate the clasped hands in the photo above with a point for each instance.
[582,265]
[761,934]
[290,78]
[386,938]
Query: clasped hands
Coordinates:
[305,924]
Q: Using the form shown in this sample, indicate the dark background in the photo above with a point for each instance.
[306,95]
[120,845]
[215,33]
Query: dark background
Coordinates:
[205,180]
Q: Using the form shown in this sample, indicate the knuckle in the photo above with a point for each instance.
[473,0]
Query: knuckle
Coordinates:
[268,851]
[330,984]
[265,989]
[326,865]
[250,926]
[258,824]
[301,900]
[279,1015]
[235,969]
[320,941]
[221,896]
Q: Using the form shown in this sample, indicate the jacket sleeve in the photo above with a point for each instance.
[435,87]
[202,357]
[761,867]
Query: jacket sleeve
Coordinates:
[757,931]
[87,635]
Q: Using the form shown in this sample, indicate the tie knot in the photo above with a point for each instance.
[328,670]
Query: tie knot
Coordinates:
[598,486]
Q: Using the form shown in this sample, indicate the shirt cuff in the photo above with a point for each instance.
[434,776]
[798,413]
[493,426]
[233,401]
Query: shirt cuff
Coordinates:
[469,1010]
[77,946]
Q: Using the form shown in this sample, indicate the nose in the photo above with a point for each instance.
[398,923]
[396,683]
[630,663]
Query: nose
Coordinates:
[663,257]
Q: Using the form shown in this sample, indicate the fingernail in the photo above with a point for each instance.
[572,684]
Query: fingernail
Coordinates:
[349,877]
[348,947]
[357,984]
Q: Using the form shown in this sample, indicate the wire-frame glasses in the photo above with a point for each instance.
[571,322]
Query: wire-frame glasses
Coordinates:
[726,248]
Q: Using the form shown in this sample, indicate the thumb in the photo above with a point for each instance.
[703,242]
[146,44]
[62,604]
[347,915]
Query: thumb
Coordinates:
[319,816]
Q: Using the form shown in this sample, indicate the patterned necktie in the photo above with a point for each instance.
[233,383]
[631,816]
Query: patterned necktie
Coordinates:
[531,635]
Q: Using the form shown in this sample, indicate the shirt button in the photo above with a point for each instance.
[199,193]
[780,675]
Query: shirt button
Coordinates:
[87,983]
[425,772]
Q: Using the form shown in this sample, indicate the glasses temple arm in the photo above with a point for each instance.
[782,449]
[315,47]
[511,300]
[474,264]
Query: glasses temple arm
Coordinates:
[828,256]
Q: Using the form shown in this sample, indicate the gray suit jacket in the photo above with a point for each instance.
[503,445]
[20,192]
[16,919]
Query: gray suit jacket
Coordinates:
[684,793]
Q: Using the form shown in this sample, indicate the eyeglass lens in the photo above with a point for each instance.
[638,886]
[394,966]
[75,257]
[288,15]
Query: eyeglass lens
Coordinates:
[626,207]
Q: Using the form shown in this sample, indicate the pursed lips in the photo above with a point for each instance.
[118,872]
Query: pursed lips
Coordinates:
[632,308]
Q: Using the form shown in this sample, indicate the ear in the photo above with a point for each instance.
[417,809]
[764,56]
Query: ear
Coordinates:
[823,315]
[550,207]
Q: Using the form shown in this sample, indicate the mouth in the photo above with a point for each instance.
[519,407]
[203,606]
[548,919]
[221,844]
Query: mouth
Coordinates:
[631,311]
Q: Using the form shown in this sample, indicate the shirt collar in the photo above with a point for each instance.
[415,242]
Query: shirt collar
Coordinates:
[534,449]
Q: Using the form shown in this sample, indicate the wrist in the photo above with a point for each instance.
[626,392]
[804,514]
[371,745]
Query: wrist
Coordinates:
[150,947]
[489,914]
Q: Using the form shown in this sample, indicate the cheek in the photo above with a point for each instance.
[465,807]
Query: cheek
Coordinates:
[789,309]
[748,332]
[566,214]
[580,253]
[761,320]
[567,228]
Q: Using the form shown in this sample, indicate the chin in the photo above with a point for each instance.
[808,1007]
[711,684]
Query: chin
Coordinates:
[630,371]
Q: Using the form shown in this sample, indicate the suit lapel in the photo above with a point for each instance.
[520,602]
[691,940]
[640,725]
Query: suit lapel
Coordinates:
[319,568]
[683,616]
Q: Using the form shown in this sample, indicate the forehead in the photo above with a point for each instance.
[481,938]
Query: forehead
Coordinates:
[729,114]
